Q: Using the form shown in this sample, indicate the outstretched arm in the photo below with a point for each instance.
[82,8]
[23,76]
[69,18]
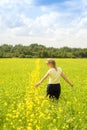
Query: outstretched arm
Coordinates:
[41,81]
[66,79]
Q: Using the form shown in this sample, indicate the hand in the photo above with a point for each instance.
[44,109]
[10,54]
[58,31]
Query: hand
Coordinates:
[37,84]
[71,85]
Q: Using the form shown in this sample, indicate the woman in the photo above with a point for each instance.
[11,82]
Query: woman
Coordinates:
[54,73]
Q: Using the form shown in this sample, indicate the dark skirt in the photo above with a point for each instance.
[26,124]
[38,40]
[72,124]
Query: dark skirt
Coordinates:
[53,90]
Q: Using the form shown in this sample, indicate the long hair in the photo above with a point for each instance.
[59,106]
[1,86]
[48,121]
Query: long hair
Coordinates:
[53,62]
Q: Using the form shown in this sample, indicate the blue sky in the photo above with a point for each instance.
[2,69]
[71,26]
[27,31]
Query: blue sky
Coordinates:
[52,23]
[48,2]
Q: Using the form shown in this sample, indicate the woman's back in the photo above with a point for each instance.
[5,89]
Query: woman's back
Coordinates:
[54,75]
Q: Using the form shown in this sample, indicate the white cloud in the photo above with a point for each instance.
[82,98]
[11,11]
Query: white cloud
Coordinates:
[4,1]
[42,25]
[83,23]
[15,1]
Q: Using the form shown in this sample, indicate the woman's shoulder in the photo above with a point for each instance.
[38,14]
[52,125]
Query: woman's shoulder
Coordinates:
[50,70]
[59,69]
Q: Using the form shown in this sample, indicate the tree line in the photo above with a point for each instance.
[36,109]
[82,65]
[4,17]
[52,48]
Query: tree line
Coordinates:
[40,51]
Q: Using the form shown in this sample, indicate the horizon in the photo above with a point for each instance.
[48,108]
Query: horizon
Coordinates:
[42,45]
[58,23]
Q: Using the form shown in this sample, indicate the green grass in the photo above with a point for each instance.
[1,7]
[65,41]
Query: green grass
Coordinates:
[22,107]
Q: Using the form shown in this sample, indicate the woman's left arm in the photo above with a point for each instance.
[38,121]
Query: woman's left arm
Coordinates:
[66,79]
[41,81]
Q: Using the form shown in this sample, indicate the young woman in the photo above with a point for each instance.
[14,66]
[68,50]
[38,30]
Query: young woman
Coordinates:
[54,73]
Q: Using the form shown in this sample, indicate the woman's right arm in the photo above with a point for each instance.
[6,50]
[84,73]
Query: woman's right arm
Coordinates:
[66,79]
[41,81]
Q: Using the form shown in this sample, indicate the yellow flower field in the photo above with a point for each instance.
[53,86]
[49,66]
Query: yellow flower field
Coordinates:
[24,107]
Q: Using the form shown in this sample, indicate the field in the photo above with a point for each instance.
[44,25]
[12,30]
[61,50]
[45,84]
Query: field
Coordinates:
[23,107]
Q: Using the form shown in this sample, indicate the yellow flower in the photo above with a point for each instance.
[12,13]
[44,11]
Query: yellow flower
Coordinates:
[41,115]
[4,126]
[9,115]
[37,128]
[5,104]
[18,128]
[29,128]
[54,120]
[60,109]
[67,126]
[55,129]
[80,119]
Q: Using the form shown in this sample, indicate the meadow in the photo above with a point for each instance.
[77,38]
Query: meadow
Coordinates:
[24,107]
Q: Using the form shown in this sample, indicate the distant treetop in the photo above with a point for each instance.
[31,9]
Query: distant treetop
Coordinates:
[40,51]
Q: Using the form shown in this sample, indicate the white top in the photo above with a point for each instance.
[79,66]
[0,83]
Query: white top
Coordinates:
[54,75]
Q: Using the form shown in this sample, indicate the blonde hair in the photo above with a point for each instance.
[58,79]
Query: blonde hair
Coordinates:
[53,62]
